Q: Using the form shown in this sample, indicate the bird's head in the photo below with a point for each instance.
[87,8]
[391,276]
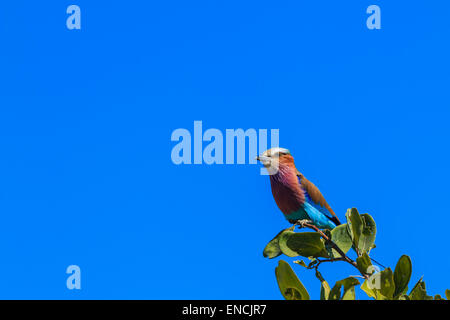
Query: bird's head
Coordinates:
[273,158]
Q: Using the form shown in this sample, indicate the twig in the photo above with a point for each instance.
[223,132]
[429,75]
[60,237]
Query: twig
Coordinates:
[344,257]
[357,276]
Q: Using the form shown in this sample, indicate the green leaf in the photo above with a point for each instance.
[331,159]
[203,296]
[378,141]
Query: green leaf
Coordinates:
[387,283]
[380,285]
[363,263]
[335,293]
[349,294]
[306,244]
[324,290]
[349,291]
[292,294]
[368,289]
[402,275]
[419,292]
[272,249]
[290,286]
[367,238]
[355,225]
[341,237]
[447,294]
[324,286]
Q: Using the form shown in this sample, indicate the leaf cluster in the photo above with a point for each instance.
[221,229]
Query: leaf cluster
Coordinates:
[359,234]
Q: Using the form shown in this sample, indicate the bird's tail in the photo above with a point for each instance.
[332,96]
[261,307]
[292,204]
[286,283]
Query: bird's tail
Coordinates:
[335,220]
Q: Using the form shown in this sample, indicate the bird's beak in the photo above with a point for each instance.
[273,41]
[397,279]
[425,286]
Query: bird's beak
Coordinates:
[263,159]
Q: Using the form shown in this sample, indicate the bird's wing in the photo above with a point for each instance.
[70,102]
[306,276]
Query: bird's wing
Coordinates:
[316,199]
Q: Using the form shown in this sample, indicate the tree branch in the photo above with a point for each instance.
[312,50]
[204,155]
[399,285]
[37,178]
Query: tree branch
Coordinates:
[344,257]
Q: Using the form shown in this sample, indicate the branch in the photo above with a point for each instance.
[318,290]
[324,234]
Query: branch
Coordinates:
[344,257]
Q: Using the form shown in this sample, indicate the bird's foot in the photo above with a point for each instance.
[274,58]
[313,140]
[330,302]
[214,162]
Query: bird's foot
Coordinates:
[301,223]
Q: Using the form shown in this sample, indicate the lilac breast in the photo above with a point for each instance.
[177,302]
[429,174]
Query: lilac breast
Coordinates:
[287,191]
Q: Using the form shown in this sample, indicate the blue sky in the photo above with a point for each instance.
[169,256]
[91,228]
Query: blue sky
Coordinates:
[86,117]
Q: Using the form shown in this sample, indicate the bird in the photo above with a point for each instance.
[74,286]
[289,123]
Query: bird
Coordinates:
[297,197]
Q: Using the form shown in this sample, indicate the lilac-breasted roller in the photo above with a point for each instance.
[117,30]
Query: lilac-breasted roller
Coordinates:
[296,196]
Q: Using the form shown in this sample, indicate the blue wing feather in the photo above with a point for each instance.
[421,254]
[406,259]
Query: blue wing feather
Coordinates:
[315,209]
[319,219]
[317,206]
